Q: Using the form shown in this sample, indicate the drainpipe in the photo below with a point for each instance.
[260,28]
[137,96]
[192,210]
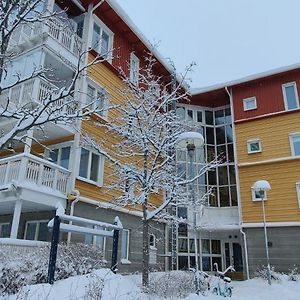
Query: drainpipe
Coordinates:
[97,5]
[238,181]
[75,197]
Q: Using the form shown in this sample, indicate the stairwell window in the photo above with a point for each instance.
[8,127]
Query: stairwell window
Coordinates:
[91,167]
[125,247]
[295,143]
[102,39]
[290,96]
[134,69]
[249,103]
[97,99]
[258,195]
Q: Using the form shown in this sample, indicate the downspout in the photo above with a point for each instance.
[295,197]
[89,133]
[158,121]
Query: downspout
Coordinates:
[74,198]
[97,5]
[238,182]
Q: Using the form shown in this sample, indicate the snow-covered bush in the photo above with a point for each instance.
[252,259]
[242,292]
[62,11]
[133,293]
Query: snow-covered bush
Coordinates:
[263,273]
[19,266]
[94,289]
[171,284]
[294,275]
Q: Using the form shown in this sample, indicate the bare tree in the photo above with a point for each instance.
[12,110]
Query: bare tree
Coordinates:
[143,158]
[58,104]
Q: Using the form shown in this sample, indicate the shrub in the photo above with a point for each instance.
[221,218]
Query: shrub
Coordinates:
[171,284]
[21,266]
[294,275]
[263,273]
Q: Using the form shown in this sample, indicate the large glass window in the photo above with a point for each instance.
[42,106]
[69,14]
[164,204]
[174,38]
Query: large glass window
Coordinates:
[290,96]
[59,154]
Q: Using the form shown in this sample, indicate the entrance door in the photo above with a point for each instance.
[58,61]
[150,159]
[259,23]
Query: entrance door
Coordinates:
[233,257]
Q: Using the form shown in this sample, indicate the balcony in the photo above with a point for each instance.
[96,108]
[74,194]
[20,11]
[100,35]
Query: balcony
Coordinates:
[38,32]
[36,90]
[30,172]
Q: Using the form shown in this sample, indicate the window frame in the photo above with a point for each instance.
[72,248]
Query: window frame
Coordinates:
[36,234]
[99,181]
[127,246]
[249,142]
[253,196]
[59,148]
[298,192]
[154,241]
[291,136]
[103,27]
[98,89]
[134,74]
[283,86]
[247,101]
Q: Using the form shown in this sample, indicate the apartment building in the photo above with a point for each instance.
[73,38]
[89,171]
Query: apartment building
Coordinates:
[33,179]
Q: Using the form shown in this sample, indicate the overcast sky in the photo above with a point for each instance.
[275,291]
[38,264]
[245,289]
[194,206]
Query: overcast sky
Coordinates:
[228,39]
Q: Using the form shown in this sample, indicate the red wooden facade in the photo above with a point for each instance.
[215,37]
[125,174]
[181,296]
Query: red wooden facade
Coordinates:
[268,93]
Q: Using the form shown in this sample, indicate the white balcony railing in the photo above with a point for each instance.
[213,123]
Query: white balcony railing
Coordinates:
[58,30]
[27,168]
[36,90]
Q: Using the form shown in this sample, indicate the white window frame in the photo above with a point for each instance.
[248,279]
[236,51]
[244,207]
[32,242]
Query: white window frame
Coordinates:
[59,147]
[195,110]
[98,88]
[134,72]
[249,142]
[4,224]
[249,100]
[254,199]
[284,94]
[126,258]
[298,193]
[36,234]
[154,241]
[291,136]
[99,181]
[104,28]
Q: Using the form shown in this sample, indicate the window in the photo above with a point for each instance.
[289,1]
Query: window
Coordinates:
[134,69]
[102,39]
[125,244]
[290,95]
[96,240]
[4,230]
[59,154]
[91,166]
[254,146]
[298,193]
[249,103]
[258,195]
[295,143]
[97,99]
[36,231]
[211,253]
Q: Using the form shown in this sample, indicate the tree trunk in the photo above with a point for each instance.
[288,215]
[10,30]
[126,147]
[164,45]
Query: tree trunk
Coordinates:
[145,275]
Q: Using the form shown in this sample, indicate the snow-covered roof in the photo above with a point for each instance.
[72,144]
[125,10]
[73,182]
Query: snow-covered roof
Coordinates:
[271,72]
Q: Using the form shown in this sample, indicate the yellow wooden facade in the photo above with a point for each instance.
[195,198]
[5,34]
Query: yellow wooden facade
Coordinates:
[275,164]
[113,84]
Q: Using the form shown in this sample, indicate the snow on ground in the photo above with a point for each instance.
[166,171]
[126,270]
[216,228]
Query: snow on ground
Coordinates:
[118,287]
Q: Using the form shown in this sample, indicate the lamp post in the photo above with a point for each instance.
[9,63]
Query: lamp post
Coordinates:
[262,186]
[191,140]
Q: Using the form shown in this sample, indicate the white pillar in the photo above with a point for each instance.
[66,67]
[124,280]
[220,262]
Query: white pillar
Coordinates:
[28,141]
[16,219]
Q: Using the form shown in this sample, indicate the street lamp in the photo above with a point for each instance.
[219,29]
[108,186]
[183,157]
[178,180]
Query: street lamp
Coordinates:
[262,186]
[191,140]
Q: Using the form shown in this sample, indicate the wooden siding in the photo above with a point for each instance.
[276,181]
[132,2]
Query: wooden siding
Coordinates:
[273,133]
[282,201]
[268,93]
[113,84]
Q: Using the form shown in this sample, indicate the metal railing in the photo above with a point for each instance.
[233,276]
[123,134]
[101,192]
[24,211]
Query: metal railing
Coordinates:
[59,30]
[27,168]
